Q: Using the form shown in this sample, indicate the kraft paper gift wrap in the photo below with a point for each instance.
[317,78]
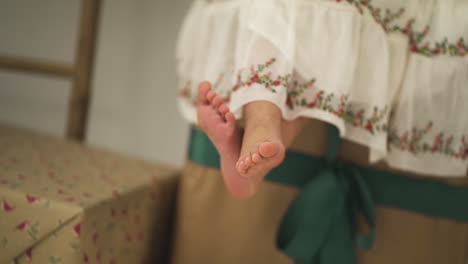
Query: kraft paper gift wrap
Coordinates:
[62,202]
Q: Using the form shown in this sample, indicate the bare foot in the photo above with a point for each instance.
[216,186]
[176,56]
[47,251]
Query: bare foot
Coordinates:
[260,153]
[219,124]
[262,146]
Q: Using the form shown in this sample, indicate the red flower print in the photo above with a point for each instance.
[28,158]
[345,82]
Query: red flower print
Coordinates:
[60,191]
[436,144]
[29,253]
[85,258]
[22,226]
[32,199]
[113,212]
[95,237]
[414,48]
[7,207]
[277,82]
[460,43]
[87,195]
[255,78]
[289,101]
[312,104]
[98,256]
[77,229]
[140,236]
[370,126]
[184,92]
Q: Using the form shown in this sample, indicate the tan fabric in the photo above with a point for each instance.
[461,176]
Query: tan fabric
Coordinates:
[214,228]
[61,202]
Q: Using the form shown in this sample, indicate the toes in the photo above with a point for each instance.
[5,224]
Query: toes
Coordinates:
[203,89]
[244,164]
[241,167]
[268,149]
[210,95]
[216,101]
[256,158]
[248,161]
[223,109]
[230,118]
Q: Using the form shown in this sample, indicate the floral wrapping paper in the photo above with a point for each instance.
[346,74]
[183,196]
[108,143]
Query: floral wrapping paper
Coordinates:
[62,202]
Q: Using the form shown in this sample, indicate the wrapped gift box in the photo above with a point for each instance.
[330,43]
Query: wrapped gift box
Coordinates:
[62,202]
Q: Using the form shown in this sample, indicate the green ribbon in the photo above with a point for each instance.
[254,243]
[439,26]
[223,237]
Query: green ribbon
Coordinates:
[319,226]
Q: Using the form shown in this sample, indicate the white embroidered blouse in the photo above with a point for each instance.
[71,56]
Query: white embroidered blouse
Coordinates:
[390,74]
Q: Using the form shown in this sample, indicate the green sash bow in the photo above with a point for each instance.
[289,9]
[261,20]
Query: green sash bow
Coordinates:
[319,225]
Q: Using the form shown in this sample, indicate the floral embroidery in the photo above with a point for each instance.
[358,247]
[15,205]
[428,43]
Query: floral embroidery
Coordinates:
[337,106]
[257,76]
[417,142]
[186,92]
[416,38]
[322,100]
[373,124]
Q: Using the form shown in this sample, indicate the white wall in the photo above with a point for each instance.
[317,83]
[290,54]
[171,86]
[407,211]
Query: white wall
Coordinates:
[34,101]
[39,29]
[133,106]
[43,29]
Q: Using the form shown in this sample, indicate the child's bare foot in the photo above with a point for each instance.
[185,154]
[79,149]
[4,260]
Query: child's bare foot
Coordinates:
[219,124]
[260,153]
[262,146]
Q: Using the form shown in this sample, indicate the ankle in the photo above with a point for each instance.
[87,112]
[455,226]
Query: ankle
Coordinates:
[269,129]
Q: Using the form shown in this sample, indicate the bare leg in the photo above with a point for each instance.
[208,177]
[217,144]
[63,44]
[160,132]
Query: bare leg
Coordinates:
[266,137]
[263,144]
[219,124]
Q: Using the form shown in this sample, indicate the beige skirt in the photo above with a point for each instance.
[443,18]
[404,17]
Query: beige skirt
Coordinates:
[214,228]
